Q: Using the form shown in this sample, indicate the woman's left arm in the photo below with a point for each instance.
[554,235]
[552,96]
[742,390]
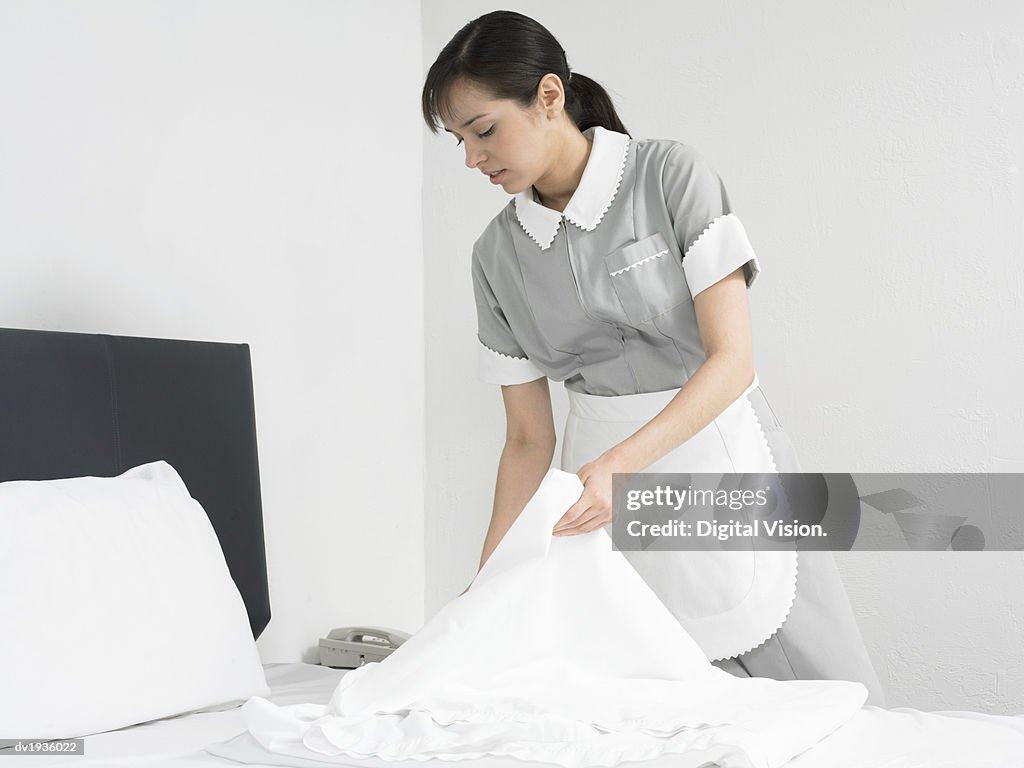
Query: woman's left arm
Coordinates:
[723,317]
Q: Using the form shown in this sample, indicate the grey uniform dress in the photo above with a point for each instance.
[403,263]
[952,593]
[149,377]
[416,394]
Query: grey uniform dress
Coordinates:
[601,297]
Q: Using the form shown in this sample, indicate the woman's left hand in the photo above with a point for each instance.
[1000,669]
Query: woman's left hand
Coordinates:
[594,508]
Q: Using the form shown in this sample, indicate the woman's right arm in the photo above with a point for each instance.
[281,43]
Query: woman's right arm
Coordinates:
[525,459]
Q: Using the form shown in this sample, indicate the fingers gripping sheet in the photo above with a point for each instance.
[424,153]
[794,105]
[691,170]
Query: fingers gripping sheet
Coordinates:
[559,653]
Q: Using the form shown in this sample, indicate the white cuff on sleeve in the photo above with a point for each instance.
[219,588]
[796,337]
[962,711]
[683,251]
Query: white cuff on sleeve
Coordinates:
[720,249]
[496,368]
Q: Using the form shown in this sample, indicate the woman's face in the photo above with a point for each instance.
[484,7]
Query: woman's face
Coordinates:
[500,136]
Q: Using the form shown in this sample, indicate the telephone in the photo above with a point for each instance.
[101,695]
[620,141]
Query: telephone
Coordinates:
[350,647]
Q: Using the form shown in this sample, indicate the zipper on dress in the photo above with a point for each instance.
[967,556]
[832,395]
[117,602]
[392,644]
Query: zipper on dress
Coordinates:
[583,306]
[575,282]
[622,339]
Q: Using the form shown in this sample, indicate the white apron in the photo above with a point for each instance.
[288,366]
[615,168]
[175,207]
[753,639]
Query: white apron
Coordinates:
[729,601]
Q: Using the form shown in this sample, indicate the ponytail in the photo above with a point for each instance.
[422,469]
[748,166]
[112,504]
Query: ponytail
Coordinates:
[589,104]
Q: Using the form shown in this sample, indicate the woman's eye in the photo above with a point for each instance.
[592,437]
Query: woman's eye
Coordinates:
[483,135]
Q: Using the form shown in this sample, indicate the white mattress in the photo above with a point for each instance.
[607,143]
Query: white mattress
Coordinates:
[874,738]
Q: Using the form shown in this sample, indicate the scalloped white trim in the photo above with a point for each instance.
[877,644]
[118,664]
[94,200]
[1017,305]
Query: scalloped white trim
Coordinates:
[706,230]
[590,222]
[593,197]
[773,569]
[721,248]
[551,234]
[770,567]
[496,367]
[760,427]
[637,263]
[789,607]
[791,592]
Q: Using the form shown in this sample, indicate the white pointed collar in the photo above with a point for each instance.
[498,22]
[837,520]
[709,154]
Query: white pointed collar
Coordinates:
[593,196]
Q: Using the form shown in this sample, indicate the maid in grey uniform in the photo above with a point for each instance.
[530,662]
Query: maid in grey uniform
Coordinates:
[620,268]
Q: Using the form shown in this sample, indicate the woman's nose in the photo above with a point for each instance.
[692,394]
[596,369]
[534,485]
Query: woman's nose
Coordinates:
[472,158]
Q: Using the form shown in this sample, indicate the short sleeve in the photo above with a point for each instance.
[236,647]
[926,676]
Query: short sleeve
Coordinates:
[500,358]
[710,235]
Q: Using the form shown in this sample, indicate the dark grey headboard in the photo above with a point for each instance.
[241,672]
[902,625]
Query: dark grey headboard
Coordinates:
[75,404]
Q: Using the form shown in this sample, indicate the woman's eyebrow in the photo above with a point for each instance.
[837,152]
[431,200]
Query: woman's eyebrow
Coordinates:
[472,119]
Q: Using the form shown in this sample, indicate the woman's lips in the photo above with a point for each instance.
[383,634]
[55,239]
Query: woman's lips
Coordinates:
[498,179]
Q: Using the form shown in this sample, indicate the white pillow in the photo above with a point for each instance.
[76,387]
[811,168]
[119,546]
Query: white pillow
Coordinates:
[116,606]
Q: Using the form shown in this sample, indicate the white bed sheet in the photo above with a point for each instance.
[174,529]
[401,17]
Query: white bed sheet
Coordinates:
[874,738]
[769,721]
[179,741]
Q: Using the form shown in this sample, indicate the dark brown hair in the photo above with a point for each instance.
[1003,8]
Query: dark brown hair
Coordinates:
[506,54]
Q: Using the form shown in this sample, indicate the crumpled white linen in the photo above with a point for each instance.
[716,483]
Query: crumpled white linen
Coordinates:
[559,653]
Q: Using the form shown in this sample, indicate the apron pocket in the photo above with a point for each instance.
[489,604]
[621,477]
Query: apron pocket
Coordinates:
[647,278]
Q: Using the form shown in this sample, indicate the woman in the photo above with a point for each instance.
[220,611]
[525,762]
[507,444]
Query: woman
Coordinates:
[620,269]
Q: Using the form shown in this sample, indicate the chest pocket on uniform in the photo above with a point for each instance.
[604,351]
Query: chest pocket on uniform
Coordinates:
[647,278]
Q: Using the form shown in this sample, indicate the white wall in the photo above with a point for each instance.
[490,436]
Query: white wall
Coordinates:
[873,152]
[244,171]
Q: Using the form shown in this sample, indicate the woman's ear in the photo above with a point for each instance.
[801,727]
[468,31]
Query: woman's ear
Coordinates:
[551,94]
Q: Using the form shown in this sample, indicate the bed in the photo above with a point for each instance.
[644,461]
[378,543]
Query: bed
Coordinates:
[875,738]
[74,405]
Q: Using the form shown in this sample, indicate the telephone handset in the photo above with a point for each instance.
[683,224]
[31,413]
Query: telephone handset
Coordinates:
[350,647]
